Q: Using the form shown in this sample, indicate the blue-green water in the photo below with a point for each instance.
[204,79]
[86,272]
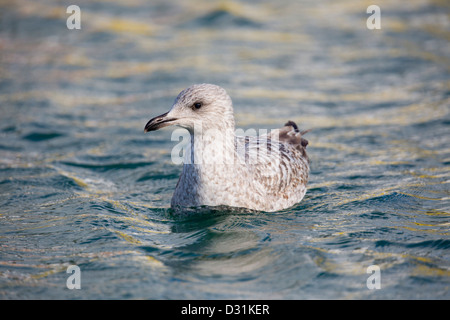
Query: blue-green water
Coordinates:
[81,184]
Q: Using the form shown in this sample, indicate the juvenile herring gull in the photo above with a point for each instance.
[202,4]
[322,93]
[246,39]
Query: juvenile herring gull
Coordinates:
[264,173]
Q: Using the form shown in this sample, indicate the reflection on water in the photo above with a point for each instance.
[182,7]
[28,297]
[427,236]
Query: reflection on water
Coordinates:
[81,184]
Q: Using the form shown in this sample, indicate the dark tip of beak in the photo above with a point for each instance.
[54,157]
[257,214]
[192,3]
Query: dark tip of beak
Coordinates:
[158,122]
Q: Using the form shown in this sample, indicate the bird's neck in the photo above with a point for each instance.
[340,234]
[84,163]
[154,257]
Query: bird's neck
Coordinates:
[211,157]
[212,147]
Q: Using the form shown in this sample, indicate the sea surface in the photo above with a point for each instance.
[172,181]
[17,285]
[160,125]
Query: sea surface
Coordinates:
[81,184]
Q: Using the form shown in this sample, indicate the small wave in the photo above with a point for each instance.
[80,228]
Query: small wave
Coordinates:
[41,136]
[220,18]
[108,166]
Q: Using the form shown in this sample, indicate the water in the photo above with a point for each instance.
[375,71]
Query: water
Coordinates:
[81,184]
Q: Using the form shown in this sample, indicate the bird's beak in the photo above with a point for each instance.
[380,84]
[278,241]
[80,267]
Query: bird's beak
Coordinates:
[159,122]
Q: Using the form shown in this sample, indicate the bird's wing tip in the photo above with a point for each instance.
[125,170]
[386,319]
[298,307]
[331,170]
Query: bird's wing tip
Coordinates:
[291,134]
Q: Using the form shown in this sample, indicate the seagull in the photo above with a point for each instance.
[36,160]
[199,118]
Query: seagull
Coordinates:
[267,173]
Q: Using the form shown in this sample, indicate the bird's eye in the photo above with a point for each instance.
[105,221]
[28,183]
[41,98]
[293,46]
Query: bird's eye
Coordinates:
[197,105]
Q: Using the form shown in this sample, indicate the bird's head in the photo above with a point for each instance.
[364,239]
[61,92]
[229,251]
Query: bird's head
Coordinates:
[200,105]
